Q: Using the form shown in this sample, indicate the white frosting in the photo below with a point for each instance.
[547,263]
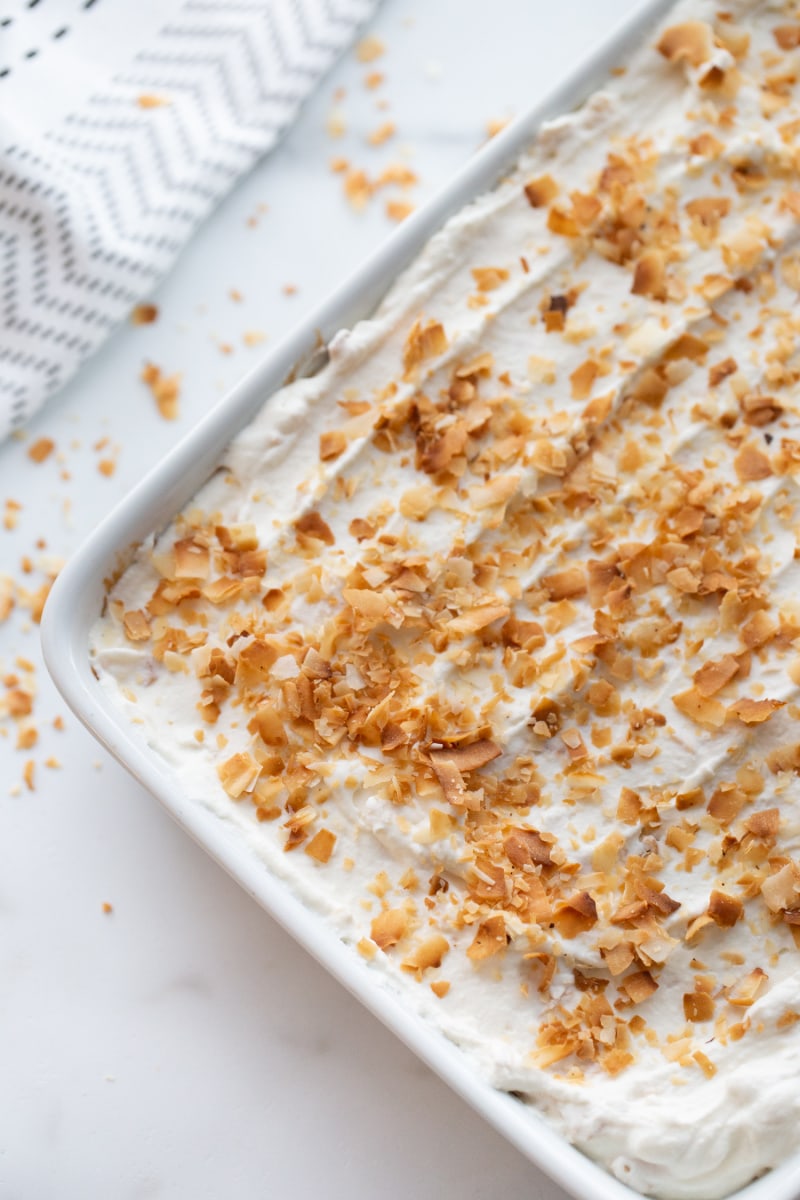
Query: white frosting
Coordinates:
[662,1126]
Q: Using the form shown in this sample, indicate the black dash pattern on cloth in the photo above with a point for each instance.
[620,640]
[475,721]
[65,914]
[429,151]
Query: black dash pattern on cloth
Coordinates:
[95,209]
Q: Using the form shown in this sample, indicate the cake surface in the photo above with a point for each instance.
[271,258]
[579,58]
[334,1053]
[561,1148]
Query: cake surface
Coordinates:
[487,636]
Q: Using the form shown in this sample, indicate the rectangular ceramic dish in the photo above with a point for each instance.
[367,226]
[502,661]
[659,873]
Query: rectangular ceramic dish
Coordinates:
[78,595]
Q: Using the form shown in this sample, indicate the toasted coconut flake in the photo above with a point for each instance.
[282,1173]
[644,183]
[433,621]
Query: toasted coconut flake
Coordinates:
[751,464]
[428,954]
[331,445]
[566,584]
[754,712]
[321,845]
[410,581]
[527,634]
[687,345]
[696,927]
[658,901]
[629,806]
[684,580]
[709,210]
[480,365]
[698,1006]
[691,42]
[575,744]
[745,992]
[440,453]
[240,537]
[315,666]
[254,666]
[392,737]
[639,986]
[490,939]
[734,38]
[527,848]
[618,958]
[787,36]
[489,278]
[705,1064]
[215,664]
[369,604]
[764,824]
[582,379]
[781,890]
[725,910]
[713,676]
[541,370]
[541,192]
[759,630]
[389,927]
[466,757]
[478,618]
[267,723]
[649,277]
[563,223]
[361,529]
[191,560]
[705,145]
[238,774]
[423,342]
[726,803]
[721,371]
[417,502]
[701,709]
[760,410]
[586,207]
[450,779]
[498,490]
[136,626]
[576,915]
[312,525]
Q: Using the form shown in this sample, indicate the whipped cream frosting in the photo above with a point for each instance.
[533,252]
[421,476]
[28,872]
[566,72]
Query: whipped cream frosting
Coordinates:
[486,636]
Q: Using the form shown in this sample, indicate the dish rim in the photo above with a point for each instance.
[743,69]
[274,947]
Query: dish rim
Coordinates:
[77,594]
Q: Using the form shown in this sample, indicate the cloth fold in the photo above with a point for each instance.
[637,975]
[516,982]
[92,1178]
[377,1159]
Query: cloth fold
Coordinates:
[122,125]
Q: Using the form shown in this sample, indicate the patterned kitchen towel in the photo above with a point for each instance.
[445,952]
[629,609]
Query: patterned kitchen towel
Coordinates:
[122,125]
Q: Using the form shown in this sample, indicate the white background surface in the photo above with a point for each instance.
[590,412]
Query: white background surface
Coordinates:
[183,1045]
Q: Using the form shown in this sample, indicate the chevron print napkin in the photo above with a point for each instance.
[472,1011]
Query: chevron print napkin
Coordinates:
[122,124]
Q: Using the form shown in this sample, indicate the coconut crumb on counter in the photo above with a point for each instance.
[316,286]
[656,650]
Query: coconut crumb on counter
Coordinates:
[41,449]
[383,133]
[165,390]
[254,337]
[369,49]
[144,314]
[398,210]
[496,125]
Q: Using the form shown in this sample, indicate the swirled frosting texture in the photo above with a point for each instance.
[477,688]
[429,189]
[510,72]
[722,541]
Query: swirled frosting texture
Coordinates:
[486,636]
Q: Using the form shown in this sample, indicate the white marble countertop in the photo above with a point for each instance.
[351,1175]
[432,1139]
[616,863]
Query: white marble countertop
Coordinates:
[181,1044]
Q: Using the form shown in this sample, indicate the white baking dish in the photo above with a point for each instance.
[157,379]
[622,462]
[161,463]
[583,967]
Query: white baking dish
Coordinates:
[78,595]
